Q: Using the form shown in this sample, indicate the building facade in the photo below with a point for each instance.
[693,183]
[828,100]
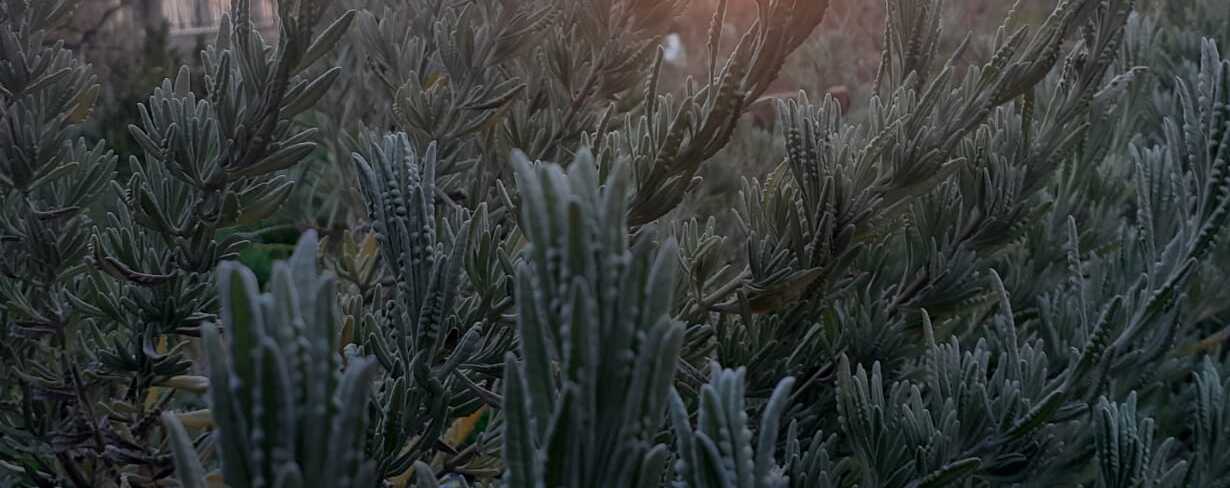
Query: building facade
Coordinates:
[193,17]
[121,24]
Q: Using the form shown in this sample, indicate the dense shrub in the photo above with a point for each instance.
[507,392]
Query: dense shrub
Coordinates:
[996,263]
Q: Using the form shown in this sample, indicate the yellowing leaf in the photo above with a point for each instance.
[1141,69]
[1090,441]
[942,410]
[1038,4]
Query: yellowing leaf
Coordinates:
[370,246]
[196,419]
[214,480]
[347,335]
[84,105]
[463,427]
[151,396]
[195,384]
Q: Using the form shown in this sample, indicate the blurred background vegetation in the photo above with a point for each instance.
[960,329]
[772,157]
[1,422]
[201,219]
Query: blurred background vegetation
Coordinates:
[136,43]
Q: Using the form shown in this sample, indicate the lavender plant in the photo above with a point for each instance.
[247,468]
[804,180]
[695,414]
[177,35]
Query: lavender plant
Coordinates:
[1000,269]
[102,312]
[49,181]
[289,408]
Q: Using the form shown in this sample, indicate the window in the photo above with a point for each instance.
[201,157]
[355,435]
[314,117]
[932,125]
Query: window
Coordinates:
[188,16]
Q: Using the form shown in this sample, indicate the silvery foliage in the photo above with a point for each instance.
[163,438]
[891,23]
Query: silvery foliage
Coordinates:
[211,163]
[981,210]
[1002,277]
[440,332]
[289,411]
[948,287]
[48,183]
[467,86]
[481,79]
[991,204]
[586,397]
[106,308]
